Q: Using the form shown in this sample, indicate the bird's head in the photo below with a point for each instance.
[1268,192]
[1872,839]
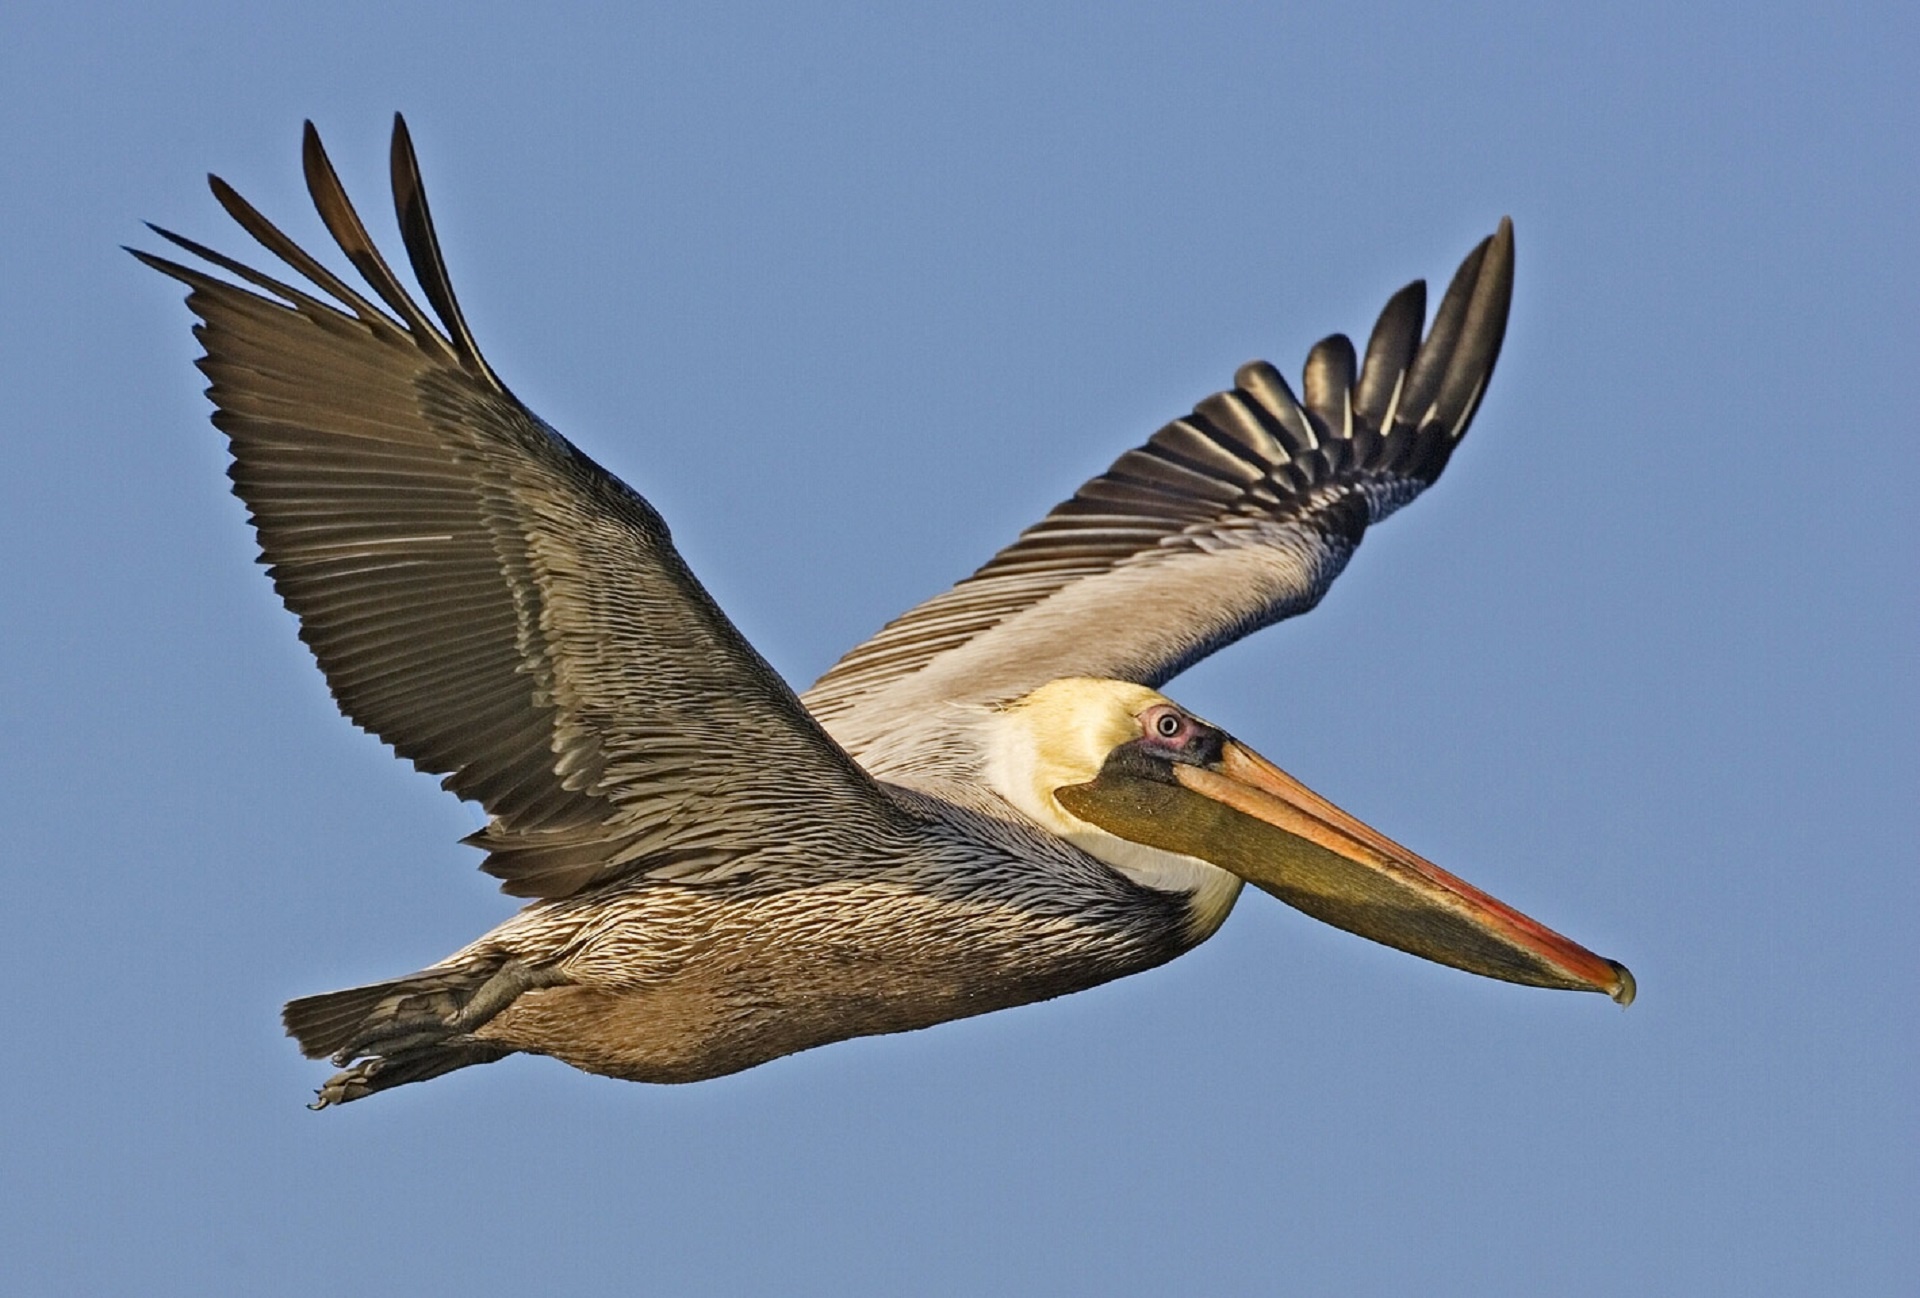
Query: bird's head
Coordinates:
[1134,779]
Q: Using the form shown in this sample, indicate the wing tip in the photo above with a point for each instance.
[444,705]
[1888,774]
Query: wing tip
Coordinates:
[447,335]
[422,242]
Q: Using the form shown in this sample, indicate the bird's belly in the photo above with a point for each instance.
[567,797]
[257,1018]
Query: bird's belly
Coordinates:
[688,1032]
[742,997]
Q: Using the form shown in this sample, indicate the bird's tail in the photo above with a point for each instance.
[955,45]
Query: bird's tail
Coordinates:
[407,1030]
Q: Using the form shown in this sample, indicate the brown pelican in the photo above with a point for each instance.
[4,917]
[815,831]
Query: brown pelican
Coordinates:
[986,804]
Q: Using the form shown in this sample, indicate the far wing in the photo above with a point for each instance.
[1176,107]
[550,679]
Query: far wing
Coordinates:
[483,596]
[1226,521]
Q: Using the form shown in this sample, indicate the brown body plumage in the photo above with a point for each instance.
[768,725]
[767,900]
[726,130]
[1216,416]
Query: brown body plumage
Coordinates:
[659,981]
[720,872]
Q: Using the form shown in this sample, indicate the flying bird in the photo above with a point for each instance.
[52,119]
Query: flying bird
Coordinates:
[988,803]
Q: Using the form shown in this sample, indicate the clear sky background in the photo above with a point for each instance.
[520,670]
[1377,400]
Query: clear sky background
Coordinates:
[852,295]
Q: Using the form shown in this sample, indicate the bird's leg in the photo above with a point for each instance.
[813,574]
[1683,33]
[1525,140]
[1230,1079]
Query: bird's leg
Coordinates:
[500,991]
[385,1071]
[432,1025]
[428,1041]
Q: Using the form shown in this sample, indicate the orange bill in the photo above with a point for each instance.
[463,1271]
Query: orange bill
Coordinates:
[1246,815]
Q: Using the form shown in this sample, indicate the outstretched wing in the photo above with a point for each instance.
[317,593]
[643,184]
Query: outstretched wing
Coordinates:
[480,594]
[1226,521]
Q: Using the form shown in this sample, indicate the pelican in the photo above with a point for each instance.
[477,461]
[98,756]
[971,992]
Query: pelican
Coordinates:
[986,804]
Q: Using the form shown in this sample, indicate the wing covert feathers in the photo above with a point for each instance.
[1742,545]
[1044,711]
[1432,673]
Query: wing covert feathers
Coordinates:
[506,614]
[1226,520]
[479,593]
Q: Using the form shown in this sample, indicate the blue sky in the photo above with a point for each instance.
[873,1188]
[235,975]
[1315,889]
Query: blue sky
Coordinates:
[852,294]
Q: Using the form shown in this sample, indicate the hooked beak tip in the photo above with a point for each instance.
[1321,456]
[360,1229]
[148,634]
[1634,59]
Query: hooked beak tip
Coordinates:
[1623,990]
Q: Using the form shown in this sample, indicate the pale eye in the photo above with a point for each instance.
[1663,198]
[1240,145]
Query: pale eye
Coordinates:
[1166,723]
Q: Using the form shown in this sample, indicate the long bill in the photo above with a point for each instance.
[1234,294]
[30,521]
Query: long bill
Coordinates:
[1246,815]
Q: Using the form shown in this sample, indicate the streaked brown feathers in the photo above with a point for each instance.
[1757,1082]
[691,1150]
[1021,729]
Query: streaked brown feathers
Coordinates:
[480,594]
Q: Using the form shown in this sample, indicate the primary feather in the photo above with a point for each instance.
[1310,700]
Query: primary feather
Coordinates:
[1232,518]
